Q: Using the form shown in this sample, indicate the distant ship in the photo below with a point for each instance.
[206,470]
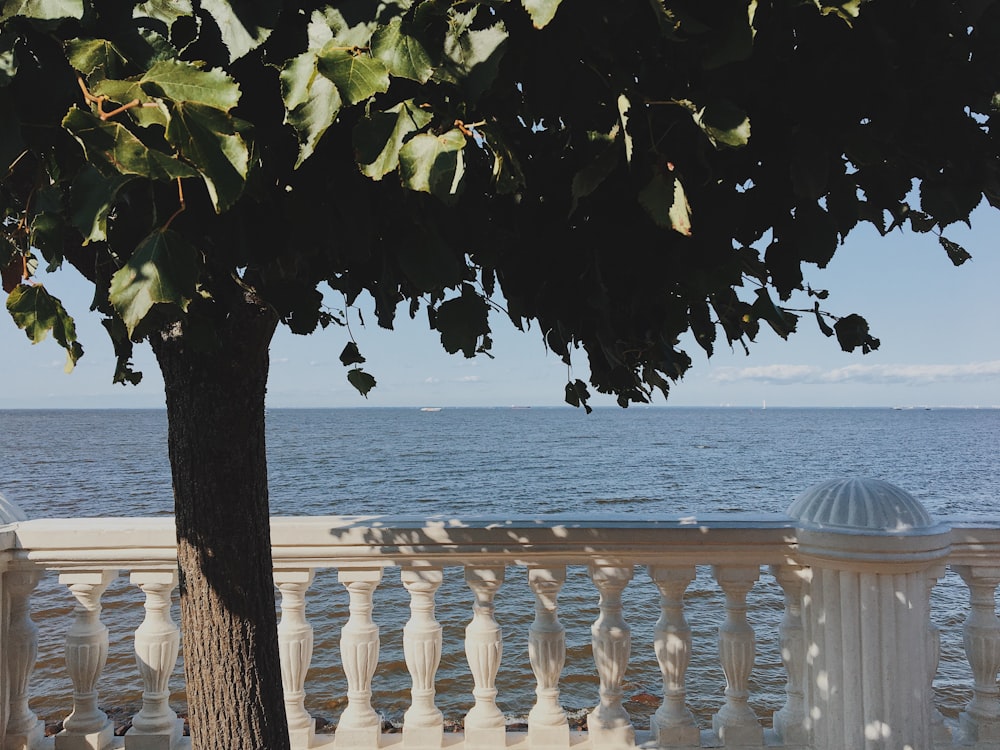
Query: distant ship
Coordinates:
[430,408]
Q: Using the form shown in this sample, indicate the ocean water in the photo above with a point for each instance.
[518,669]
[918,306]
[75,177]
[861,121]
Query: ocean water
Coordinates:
[513,463]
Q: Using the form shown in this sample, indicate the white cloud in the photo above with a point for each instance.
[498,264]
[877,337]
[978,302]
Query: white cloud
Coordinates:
[432,380]
[874,374]
[469,379]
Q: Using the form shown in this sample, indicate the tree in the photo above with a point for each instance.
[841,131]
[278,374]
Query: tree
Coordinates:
[615,174]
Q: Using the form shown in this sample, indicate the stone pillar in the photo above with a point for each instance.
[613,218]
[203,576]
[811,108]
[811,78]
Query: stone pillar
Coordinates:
[423,722]
[609,724]
[360,726]
[980,721]
[547,724]
[24,729]
[157,643]
[870,547]
[484,723]
[295,647]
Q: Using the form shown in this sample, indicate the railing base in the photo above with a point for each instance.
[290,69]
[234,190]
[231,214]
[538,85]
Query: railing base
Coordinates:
[27,741]
[138,741]
[93,741]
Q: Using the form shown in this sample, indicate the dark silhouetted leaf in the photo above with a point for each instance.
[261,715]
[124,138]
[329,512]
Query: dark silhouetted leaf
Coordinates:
[351,355]
[852,332]
[360,380]
[462,321]
[956,253]
[724,123]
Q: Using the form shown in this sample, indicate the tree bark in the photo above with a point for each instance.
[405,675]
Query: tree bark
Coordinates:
[215,411]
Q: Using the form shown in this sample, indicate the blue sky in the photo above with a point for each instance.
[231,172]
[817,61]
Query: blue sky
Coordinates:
[939,326]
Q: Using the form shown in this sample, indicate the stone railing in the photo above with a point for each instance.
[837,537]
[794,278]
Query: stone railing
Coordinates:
[855,561]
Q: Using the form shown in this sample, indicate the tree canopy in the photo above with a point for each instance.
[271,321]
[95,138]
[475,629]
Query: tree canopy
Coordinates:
[615,176]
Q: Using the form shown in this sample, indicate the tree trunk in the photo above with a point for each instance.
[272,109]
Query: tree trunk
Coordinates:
[215,411]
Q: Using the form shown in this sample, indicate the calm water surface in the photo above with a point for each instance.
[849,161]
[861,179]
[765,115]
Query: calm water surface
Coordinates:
[521,462]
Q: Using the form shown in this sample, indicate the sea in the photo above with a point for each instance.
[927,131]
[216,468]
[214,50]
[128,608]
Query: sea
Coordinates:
[508,463]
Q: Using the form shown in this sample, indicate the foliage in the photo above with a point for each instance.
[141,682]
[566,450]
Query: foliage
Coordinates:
[614,173]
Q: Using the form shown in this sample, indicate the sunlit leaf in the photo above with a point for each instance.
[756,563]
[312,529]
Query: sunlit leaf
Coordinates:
[312,102]
[166,11]
[403,55]
[541,11]
[724,123]
[207,138]
[472,57]
[88,55]
[42,10]
[154,111]
[244,25]
[433,163]
[379,138]
[113,149]
[666,202]
[185,82]
[162,270]
[37,313]
[356,75]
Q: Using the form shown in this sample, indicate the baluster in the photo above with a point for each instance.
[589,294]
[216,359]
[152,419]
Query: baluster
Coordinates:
[673,724]
[359,726]
[87,727]
[980,721]
[939,731]
[484,723]
[24,730]
[423,724]
[735,723]
[547,724]
[157,643]
[295,648]
[609,724]
[789,720]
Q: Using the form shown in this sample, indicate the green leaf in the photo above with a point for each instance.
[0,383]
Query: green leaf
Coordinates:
[356,75]
[186,82]
[37,312]
[379,138]
[351,355]
[47,234]
[360,380]
[472,58]
[89,55]
[724,123]
[42,10]
[166,11]
[126,91]
[123,352]
[312,102]
[541,11]
[403,55]
[433,163]
[114,150]
[91,198]
[207,138]
[462,321]
[162,270]
[956,253]
[666,203]
[245,25]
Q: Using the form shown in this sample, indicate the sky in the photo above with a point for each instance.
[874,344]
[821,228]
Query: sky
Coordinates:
[939,326]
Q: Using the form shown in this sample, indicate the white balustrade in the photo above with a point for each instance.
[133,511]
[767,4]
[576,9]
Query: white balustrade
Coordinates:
[856,639]
[360,726]
[423,722]
[87,727]
[24,729]
[484,723]
[157,643]
[295,647]
[609,724]
[547,723]
[673,723]
[736,723]
[980,722]
[790,720]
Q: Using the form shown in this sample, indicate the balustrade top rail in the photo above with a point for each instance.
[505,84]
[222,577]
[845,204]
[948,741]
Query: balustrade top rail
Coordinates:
[363,541]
